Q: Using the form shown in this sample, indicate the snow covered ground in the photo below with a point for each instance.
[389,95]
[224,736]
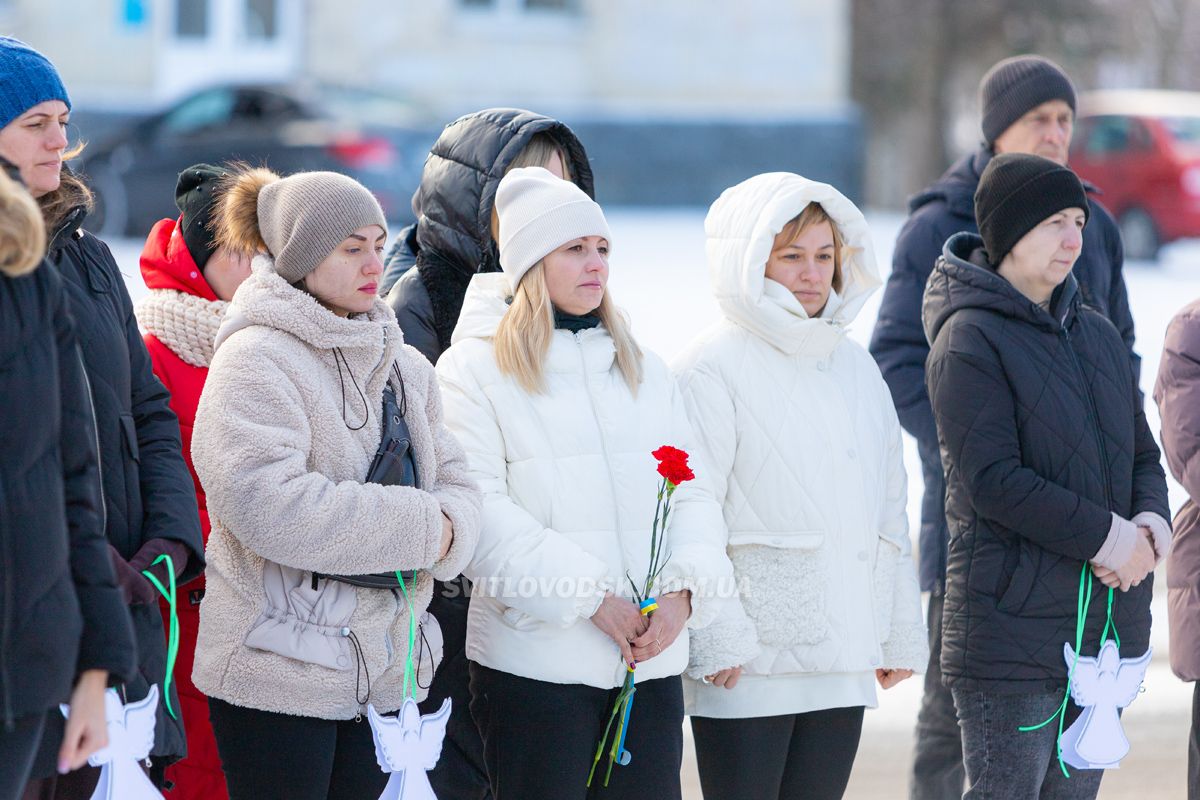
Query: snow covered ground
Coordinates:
[659,275]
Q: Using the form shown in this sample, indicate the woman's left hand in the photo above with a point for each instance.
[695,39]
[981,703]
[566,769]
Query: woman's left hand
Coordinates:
[665,625]
[890,677]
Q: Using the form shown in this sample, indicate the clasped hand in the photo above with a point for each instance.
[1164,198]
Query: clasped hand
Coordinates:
[642,638]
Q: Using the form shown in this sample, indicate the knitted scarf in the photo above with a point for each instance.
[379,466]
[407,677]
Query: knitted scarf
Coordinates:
[185,323]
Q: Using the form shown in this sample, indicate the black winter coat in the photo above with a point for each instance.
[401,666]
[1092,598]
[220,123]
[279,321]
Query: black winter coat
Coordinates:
[148,491]
[898,342]
[452,239]
[1042,435]
[60,609]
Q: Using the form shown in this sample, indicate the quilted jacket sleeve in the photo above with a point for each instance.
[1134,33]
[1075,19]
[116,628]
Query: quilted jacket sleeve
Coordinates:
[983,454]
[512,543]
[729,639]
[1177,392]
[696,534]
[452,487]
[907,643]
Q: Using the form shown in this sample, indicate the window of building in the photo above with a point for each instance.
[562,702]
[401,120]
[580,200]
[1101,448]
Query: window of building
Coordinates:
[191,19]
[262,19]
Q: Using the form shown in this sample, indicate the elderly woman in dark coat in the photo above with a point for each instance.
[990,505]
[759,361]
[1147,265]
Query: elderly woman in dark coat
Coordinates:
[1051,470]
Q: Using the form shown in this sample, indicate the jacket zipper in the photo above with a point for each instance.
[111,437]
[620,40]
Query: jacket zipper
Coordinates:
[1094,419]
[607,461]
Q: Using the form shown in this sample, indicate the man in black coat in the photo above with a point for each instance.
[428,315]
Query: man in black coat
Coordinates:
[62,618]
[1028,106]
[425,281]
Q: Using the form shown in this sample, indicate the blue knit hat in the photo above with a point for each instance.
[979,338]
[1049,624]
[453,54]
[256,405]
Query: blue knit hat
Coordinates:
[26,78]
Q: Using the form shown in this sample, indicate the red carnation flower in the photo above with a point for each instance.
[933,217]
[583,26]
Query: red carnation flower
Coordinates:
[673,465]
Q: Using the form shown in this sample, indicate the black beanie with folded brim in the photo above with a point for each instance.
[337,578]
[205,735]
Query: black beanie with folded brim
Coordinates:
[1016,193]
[196,199]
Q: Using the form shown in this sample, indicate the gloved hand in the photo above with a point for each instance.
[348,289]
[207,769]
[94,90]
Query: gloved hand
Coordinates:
[134,586]
[136,589]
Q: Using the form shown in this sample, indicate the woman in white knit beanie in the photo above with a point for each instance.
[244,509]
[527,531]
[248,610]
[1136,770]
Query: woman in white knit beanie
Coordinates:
[559,411]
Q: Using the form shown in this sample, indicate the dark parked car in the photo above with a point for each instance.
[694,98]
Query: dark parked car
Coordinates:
[1142,148]
[372,137]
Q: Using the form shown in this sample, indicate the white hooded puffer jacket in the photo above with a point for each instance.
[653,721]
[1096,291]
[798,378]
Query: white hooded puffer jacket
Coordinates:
[804,446]
[569,489]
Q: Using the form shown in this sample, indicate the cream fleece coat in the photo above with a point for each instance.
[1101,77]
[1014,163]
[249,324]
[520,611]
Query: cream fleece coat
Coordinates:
[286,429]
[569,494]
[804,445]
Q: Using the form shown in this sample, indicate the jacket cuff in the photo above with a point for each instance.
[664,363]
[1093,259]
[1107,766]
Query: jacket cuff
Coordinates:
[721,645]
[907,648]
[1119,544]
[1160,531]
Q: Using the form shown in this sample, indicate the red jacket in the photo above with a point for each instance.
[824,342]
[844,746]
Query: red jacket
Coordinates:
[167,264]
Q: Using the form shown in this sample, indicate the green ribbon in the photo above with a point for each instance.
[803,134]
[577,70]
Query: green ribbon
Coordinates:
[410,671]
[173,631]
[1082,605]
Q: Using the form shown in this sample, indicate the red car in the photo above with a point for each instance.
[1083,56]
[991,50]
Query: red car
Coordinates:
[1142,149]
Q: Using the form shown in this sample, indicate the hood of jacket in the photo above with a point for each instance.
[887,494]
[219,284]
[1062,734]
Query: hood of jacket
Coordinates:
[266,299]
[741,227]
[962,279]
[166,263]
[484,306]
[453,204]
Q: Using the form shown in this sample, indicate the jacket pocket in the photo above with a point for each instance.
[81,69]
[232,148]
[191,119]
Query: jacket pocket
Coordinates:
[784,588]
[1015,595]
[784,540]
[129,431]
[303,623]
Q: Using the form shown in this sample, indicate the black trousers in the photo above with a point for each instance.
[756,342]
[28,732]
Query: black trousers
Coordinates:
[269,756]
[17,750]
[938,771]
[791,757]
[460,773]
[539,738]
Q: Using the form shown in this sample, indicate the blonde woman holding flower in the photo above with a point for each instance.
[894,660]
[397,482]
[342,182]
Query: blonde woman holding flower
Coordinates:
[559,411]
[803,446]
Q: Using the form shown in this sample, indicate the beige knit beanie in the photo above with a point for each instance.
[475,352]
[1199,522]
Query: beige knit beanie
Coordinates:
[539,212]
[304,217]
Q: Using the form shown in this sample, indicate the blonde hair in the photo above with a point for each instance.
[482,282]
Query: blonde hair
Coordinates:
[22,231]
[523,336]
[814,214]
[535,153]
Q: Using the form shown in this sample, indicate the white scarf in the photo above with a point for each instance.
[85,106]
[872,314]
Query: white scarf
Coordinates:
[185,323]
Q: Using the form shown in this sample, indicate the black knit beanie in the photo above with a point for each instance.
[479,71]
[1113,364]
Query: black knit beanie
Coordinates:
[1016,192]
[195,198]
[1014,86]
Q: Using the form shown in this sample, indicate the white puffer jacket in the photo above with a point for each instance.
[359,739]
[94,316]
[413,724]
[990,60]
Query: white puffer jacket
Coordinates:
[569,493]
[285,433]
[804,445]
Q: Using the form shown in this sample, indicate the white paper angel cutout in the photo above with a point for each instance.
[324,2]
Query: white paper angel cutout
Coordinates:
[1100,686]
[130,738]
[408,745]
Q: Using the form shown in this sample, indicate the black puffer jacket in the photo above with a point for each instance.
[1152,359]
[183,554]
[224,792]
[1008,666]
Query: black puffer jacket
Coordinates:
[452,238]
[1042,434]
[148,491]
[898,342]
[60,609]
